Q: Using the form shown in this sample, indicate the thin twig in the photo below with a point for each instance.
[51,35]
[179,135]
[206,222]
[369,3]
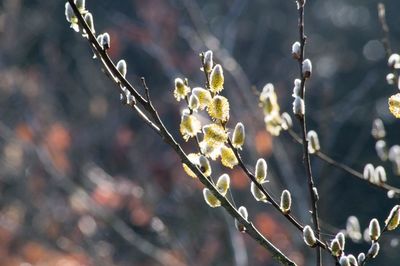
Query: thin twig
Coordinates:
[329,160]
[302,120]
[167,137]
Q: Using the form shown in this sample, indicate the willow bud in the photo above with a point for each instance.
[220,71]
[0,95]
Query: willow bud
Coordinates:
[298,107]
[223,184]
[243,212]
[381,149]
[204,166]
[210,199]
[394,61]
[308,236]
[208,61]
[261,170]
[374,250]
[368,173]
[390,78]
[80,4]
[286,201]
[217,79]
[296,50]
[296,88]
[313,142]
[378,129]
[361,258]
[380,174]
[393,220]
[353,228]
[257,193]
[394,153]
[287,122]
[194,102]
[89,21]
[307,68]
[374,229]
[342,241]
[69,12]
[105,41]
[352,260]
[122,68]
[335,248]
[344,261]
[238,136]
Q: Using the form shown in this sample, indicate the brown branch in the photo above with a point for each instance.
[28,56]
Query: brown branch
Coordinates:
[302,120]
[168,139]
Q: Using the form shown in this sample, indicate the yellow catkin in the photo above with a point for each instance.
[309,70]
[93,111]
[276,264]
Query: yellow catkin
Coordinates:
[394,105]
[219,108]
[194,159]
[217,79]
[228,157]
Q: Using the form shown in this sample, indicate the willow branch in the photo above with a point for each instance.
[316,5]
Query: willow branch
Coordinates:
[168,139]
[302,120]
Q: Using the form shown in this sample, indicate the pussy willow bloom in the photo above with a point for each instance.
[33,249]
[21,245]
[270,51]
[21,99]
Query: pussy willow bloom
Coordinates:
[211,149]
[360,258]
[217,79]
[394,61]
[296,88]
[335,248]
[89,21]
[394,105]
[368,172]
[194,159]
[189,126]
[390,78]
[393,220]
[238,136]
[257,193]
[210,199]
[193,103]
[307,68]
[80,4]
[287,122]
[181,90]
[219,108]
[204,166]
[270,106]
[344,261]
[394,153]
[374,250]
[296,49]
[381,149]
[215,133]
[228,157]
[105,41]
[204,97]
[298,106]
[223,184]
[313,142]
[352,260]
[353,228]
[342,240]
[243,212]
[122,68]
[380,174]
[286,201]
[261,170]
[208,61]
[378,129]
[308,236]
[374,229]
[71,18]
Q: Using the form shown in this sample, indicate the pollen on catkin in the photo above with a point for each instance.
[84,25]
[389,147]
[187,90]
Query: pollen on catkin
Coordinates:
[223,184]
[215,133]
[335,248]
[261,170]
[204,97]
[189,126]
[210,199]
[394,105]
[393,220]
[238,136]
[228,157]
[219,108]
[308,236]
[217,79]
[270,106]
[181,89]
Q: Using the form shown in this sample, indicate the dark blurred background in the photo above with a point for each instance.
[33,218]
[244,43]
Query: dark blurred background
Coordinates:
[84,182]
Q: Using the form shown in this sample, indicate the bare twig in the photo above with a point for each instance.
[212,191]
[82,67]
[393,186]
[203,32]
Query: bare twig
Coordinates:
[302,120]
[167,138]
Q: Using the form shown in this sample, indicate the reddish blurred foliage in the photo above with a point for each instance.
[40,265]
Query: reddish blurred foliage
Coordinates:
[263,143]
[238,179]
[106,195]
[58,141]
[24,132]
